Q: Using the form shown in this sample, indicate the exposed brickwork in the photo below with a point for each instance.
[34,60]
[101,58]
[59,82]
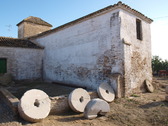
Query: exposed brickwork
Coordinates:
[90,50]
[137,53]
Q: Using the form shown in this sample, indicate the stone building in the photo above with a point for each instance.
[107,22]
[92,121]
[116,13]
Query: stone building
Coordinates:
[31,26]
[21,58]
[111,45]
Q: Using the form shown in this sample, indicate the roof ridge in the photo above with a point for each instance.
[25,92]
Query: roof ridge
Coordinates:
[128,7]
[35,20]
[110,7]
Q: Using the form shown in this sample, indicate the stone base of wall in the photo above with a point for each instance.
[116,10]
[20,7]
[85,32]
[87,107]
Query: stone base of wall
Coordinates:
[5,79]
[9,100]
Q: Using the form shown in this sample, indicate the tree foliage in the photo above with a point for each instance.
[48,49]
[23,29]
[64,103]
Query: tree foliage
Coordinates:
[159,64]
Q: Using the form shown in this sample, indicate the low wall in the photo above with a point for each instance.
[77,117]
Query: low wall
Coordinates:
[59,104]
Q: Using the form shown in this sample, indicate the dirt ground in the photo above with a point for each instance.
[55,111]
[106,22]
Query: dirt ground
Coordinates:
[143,109]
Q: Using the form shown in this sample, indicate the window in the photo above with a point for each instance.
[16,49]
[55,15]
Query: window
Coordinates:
[3,65]
[139,29]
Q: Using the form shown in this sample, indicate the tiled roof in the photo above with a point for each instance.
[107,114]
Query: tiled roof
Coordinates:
[35,20]
[104,10]
[14,42]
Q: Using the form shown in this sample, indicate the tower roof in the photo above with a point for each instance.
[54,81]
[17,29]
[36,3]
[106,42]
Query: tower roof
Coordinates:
[35,20]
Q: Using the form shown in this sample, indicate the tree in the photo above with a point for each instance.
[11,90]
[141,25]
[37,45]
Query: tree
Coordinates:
[156,64]
[159,64]
[165,65]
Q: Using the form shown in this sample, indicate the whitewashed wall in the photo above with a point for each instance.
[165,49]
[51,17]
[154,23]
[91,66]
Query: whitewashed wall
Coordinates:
[137,53]
[23,63]
[90,52]
[85,54]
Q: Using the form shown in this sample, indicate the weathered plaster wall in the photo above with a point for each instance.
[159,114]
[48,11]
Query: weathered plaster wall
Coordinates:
[27,29]
[23,63]
[85,54]
[137,53]
[21,31]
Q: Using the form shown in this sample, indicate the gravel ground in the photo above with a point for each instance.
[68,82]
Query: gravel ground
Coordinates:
[6,115]
[141,109]
[20,87]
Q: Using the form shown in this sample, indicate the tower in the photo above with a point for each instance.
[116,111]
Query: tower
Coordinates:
[32,26]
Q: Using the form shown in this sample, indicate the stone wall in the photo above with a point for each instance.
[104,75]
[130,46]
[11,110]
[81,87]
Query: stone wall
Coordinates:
[27,29]
[102,48]
[86,53]
[137,53]
[23,63]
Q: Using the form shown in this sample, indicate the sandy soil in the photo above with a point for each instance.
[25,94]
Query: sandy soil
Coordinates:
[143,109]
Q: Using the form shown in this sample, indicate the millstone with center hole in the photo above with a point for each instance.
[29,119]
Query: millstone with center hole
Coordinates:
[106,92]
[96,107]
[34,105]
[78,99]
[149,86]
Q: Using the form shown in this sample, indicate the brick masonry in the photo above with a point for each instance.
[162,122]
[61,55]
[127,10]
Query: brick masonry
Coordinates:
[91,51]
[137,53]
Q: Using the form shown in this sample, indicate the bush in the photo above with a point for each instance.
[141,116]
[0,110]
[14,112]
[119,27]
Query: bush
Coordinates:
[159,64]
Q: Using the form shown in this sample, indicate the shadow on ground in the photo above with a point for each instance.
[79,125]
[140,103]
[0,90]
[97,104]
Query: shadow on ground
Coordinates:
[154,104]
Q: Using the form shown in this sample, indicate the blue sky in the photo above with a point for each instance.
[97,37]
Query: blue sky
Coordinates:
[58,12]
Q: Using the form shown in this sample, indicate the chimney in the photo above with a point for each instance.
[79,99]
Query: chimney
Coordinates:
[32,26]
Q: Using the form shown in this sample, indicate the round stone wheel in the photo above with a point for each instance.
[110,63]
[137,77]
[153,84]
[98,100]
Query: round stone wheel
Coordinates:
[106,92]
[149,86]
[78,99]
[96,107]
[166,89]
[34,105]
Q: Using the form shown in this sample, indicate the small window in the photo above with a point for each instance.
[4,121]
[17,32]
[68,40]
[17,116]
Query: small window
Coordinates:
[3,65]
[139,29]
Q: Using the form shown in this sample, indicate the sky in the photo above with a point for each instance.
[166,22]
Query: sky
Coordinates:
[59,12]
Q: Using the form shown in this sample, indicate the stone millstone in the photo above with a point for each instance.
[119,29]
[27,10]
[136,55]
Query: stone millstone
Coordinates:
[96,107]
[106,92]
[78,99]
[166,89]
[34,105]
[149,86]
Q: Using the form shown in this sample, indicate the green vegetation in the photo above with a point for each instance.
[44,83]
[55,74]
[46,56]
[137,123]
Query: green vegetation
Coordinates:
[135,95]
[159,64]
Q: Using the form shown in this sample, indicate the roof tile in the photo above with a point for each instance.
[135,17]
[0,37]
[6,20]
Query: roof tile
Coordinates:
[14,42]
[111,7]
[35,20]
